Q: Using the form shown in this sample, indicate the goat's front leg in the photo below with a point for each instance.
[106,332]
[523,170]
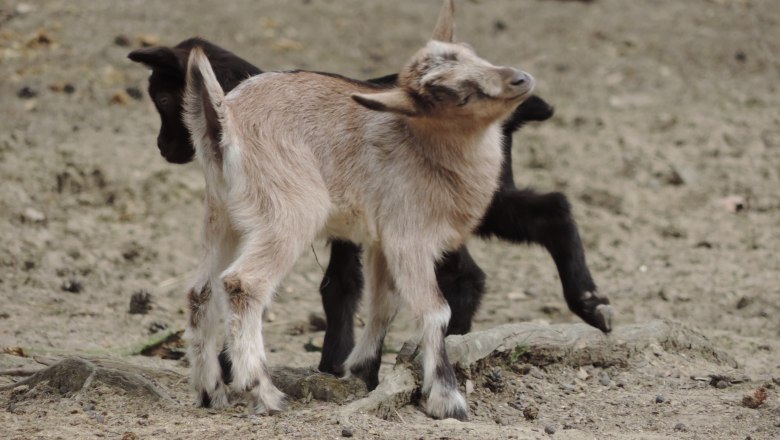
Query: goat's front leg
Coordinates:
[341,289]
[413,272]
[524,216]
[381,307]
[207,305]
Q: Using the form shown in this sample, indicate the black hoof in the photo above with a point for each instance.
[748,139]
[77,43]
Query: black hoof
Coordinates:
[368,373]
[595,310]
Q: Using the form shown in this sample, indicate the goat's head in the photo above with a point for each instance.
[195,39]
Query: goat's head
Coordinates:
[447,80]
[166,88]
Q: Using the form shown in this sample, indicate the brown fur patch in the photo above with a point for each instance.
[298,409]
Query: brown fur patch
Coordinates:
[197,302]
[237,294]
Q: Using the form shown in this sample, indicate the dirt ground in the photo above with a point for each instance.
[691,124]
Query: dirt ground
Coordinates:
[666,140]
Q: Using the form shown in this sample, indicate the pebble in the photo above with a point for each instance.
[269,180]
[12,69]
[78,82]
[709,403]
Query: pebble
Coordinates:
[122,40]
[135,93]
[346,432]
[721,384]
[567,387]
[469,386]
[72,285]
[680,427]
[604,378]
[549,429]
[33,216]
[660,399]
[537,373]
[27,92]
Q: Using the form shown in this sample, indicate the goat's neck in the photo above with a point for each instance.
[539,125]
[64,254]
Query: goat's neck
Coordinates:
[449,141]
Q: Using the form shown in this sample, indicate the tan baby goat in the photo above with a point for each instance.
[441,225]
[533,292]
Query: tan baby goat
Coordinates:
[405,171]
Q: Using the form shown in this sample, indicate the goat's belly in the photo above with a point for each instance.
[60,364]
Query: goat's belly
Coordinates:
[350,224]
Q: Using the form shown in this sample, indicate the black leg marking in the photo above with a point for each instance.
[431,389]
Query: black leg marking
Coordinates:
[205,400]
[368,371]
[340,289]
[225,365]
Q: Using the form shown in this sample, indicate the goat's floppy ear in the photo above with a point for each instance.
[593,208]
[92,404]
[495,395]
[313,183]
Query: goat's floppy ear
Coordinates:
[158,57]
[394,101]
[445,25]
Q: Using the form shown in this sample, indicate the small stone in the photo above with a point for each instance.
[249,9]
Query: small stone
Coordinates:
[740,56]
[582,374]
[469,386]
[72,285]
[134,93]
[122,40]
[721,384]
[27,92]
[680,427]
[530,412]
[32,215]
[567,387]
[69,88]
[157,326]
[744,302]
[549,429]
[23,8]
[499,26]
[604,378]
[346,432]
[129,436]
[660,399]
[537,373]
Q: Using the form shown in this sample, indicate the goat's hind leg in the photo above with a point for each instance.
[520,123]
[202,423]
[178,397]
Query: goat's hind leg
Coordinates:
[207,306]
[267,255]
[202,332]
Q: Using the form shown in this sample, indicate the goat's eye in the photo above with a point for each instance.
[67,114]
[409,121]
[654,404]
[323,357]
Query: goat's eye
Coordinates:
[163,100]
[465,100]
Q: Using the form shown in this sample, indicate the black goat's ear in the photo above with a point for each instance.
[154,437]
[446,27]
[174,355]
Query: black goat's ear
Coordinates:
[158,57]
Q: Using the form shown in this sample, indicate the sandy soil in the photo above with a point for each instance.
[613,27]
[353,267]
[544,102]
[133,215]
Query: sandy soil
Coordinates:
[667,113]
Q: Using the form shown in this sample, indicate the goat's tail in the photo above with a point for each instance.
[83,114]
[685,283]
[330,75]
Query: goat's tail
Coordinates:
[204,107]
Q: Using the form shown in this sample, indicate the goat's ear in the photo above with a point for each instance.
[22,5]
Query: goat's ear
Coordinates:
[394,101]
[158,57]
[445,25]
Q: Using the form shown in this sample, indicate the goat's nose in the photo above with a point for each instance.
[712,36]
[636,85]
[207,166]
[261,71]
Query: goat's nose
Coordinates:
[520,78]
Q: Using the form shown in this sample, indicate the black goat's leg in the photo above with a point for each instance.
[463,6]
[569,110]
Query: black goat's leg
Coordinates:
[462,283]
[524,216]
[341,290]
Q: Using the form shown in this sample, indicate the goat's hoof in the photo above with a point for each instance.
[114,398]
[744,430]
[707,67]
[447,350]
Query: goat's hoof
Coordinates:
[270,402]
[446,403]
[595,310]
[368,372]
[215,399]
[604,314]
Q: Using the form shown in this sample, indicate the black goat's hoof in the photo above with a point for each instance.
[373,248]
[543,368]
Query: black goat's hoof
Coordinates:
[595,310]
